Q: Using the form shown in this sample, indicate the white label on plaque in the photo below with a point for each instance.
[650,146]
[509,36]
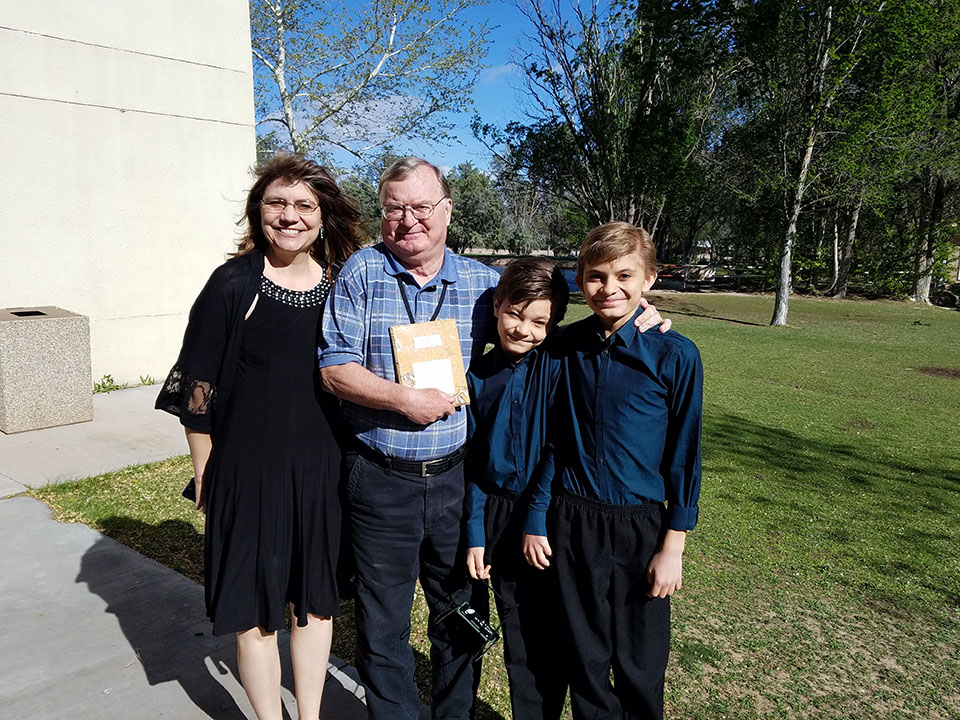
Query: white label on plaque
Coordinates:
[421,342]
[434,374]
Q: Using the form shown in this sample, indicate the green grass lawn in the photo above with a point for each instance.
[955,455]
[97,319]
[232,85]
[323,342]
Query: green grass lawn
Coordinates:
[823,580]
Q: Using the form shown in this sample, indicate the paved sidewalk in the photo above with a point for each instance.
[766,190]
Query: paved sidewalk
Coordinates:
[125,430]
[93,630]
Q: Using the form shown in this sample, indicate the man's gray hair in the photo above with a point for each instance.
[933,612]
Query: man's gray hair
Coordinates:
[401,168]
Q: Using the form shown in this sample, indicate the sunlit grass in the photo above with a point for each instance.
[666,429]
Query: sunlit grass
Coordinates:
[824,578]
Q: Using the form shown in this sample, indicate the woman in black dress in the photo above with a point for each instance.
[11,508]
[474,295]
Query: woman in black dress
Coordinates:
[261,431]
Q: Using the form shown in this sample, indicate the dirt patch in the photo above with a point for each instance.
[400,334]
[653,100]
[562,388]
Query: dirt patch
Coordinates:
[861,424]
[940,372]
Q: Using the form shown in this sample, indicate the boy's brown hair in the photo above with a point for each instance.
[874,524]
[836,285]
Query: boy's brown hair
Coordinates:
[614,240]
[527,279]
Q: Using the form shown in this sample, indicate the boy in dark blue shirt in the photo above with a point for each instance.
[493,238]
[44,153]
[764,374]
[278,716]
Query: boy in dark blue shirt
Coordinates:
[510,388]
[506,421]
[625,448]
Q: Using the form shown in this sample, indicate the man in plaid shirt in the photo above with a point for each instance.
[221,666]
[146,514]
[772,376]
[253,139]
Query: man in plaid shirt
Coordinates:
[405,485]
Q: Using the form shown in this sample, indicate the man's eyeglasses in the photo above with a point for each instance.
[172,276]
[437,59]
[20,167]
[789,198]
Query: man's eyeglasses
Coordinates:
[420,212]
[277,206]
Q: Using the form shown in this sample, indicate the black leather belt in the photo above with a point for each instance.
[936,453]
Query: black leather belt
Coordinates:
[423,468]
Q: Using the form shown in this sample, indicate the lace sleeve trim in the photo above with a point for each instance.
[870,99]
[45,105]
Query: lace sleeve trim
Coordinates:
[191,399]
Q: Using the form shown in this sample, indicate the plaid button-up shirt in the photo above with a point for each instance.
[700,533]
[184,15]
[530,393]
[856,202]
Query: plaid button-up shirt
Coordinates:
[366,301]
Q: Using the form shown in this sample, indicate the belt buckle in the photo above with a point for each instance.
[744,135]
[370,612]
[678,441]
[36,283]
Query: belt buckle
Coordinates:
[423,469]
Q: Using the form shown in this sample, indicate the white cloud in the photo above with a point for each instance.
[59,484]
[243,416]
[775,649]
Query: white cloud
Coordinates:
[497,74]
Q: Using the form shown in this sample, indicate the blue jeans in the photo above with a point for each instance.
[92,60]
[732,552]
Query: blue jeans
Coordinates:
[404,526]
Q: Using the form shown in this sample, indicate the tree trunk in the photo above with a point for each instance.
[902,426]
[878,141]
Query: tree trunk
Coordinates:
[814,279]
[839,289]
[686,250]
[921,286]
[784,278]
[656,220]
[280,78]
[835,264]
[929,236]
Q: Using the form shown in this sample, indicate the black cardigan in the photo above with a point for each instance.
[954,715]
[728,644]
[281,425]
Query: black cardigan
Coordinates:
[197,389]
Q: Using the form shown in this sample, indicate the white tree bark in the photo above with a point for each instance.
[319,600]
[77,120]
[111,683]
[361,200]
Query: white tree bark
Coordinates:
[839,287]
[927,246]
[785,276]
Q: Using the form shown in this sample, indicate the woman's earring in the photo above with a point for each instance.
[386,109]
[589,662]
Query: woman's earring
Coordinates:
[321,233]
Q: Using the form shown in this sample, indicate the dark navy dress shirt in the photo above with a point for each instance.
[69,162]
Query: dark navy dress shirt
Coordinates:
[506,428]
[625,422]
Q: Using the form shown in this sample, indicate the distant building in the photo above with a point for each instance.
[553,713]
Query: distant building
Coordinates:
[126,135]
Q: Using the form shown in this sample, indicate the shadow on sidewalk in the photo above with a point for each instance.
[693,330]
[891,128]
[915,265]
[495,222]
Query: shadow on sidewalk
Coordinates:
[162,616]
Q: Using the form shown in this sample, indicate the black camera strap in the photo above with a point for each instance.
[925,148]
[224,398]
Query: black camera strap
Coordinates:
[507,607]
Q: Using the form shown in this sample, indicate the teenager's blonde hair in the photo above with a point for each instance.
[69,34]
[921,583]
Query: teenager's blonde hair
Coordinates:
[614,240]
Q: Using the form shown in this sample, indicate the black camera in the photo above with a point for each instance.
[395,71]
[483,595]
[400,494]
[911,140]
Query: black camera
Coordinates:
[477,626]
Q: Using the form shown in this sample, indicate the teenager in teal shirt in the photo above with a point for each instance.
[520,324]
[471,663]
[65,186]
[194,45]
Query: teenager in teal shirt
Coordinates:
[625,444]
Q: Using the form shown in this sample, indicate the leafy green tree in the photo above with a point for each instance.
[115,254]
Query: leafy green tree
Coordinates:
[836,94]
[357,76]
[365,193]
[267,144]
[477,220]
[526,207]
[361,185]
[937,184]
[566,227]
[619,98]
[817,144]
[802,60]
[885,128]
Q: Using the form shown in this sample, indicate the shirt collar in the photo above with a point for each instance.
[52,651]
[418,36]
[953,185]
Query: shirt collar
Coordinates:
[625,336]
[502,359]
[392,266]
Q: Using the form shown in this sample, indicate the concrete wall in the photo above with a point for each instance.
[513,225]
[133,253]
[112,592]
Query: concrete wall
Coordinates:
[126,134]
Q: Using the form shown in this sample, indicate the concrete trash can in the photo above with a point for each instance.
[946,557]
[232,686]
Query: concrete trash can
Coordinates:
[45,375]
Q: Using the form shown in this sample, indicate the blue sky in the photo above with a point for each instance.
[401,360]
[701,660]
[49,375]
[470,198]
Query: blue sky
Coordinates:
[497,92]
[496,95]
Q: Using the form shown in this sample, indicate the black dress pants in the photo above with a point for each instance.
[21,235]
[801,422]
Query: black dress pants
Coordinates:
[530,622]
[601,553]
[405,527]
